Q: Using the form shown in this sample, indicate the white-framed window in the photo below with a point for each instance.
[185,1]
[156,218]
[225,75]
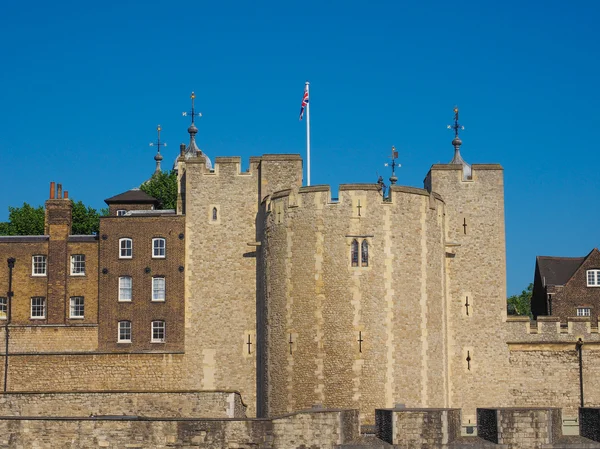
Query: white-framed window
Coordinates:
[124,333]
[125,248]
[77,307]
[38,307]
[593,278]
[158,288]
[78,265]
[125,287]
[584,311]
[121,212]
[159,246]
[38,265]
[158,332]
[3,307]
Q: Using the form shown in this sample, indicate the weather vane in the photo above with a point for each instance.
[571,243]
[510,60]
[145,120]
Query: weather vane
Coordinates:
[393,157]
[158,143]
[457,126]
[193,112]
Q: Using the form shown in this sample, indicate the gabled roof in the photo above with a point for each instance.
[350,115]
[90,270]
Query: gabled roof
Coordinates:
[133,196]
[558,270]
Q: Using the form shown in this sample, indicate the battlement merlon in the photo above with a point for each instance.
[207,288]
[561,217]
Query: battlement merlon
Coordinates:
[476,169]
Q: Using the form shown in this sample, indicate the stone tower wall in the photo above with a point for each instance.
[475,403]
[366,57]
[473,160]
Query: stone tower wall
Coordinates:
[476,273]
[221,208]
[320,306]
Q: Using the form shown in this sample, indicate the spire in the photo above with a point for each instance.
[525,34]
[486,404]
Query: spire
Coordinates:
[192,149]
[456,143]
[158,144]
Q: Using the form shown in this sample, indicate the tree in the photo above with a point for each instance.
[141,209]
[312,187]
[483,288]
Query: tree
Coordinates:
[86,220]
[24,220]
[163,187]
[521,304]
[28,220]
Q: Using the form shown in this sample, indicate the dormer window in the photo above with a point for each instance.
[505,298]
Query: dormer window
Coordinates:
[593,278]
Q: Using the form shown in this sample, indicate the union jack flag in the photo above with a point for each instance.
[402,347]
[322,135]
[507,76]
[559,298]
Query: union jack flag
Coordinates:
[304,103]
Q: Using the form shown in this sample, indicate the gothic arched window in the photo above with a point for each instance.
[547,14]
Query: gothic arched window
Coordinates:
[354,253]
[214,214]
[364,254]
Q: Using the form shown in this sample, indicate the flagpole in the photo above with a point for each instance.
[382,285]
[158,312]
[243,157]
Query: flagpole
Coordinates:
[308,138]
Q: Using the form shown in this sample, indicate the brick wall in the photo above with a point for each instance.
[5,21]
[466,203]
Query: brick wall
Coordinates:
[141,267]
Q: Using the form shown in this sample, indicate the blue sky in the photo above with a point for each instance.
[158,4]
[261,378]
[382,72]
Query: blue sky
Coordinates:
[84,85]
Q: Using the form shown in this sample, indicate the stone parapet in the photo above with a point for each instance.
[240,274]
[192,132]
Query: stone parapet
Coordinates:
[424,428]
[149,404]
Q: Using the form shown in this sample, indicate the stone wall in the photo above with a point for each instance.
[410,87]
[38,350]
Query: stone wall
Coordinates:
[50,338]
[423,428]
[324,429]
[169,404]
[95,372]
[523,428]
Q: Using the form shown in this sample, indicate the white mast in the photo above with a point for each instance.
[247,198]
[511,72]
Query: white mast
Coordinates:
[307,137]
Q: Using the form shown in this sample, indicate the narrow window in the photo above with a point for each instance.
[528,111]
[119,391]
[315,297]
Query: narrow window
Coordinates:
[78,265]
[214,214]
[159,246]
[124,335]
[3,308]
[364,254]
[125,285]
[121,212]
[38,307]
[76,307]
[38,265]
[593,278]
[354,253]
[158,332]
[158,289]
[125,248]
[584,311]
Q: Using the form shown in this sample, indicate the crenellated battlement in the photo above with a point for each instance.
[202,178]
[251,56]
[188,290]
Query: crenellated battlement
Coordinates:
[550,330]
[347,194]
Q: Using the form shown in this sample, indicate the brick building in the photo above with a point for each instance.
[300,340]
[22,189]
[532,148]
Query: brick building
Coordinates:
[566,287]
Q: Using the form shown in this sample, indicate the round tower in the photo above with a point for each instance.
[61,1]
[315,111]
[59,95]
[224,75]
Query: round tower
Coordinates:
[355,299]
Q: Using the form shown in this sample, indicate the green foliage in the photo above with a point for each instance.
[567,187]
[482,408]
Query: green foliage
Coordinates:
[28,220]
[24,220]
[163,187]
[86,220]
[521,304]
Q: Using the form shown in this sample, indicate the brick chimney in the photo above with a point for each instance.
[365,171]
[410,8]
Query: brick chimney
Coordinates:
[58,220]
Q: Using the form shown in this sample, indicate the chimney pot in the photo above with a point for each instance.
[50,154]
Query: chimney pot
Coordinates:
[52,190]
[58,191]
[66,194]
[181,149]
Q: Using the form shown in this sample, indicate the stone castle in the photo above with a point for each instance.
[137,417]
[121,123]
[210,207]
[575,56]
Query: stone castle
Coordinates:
[259,285]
